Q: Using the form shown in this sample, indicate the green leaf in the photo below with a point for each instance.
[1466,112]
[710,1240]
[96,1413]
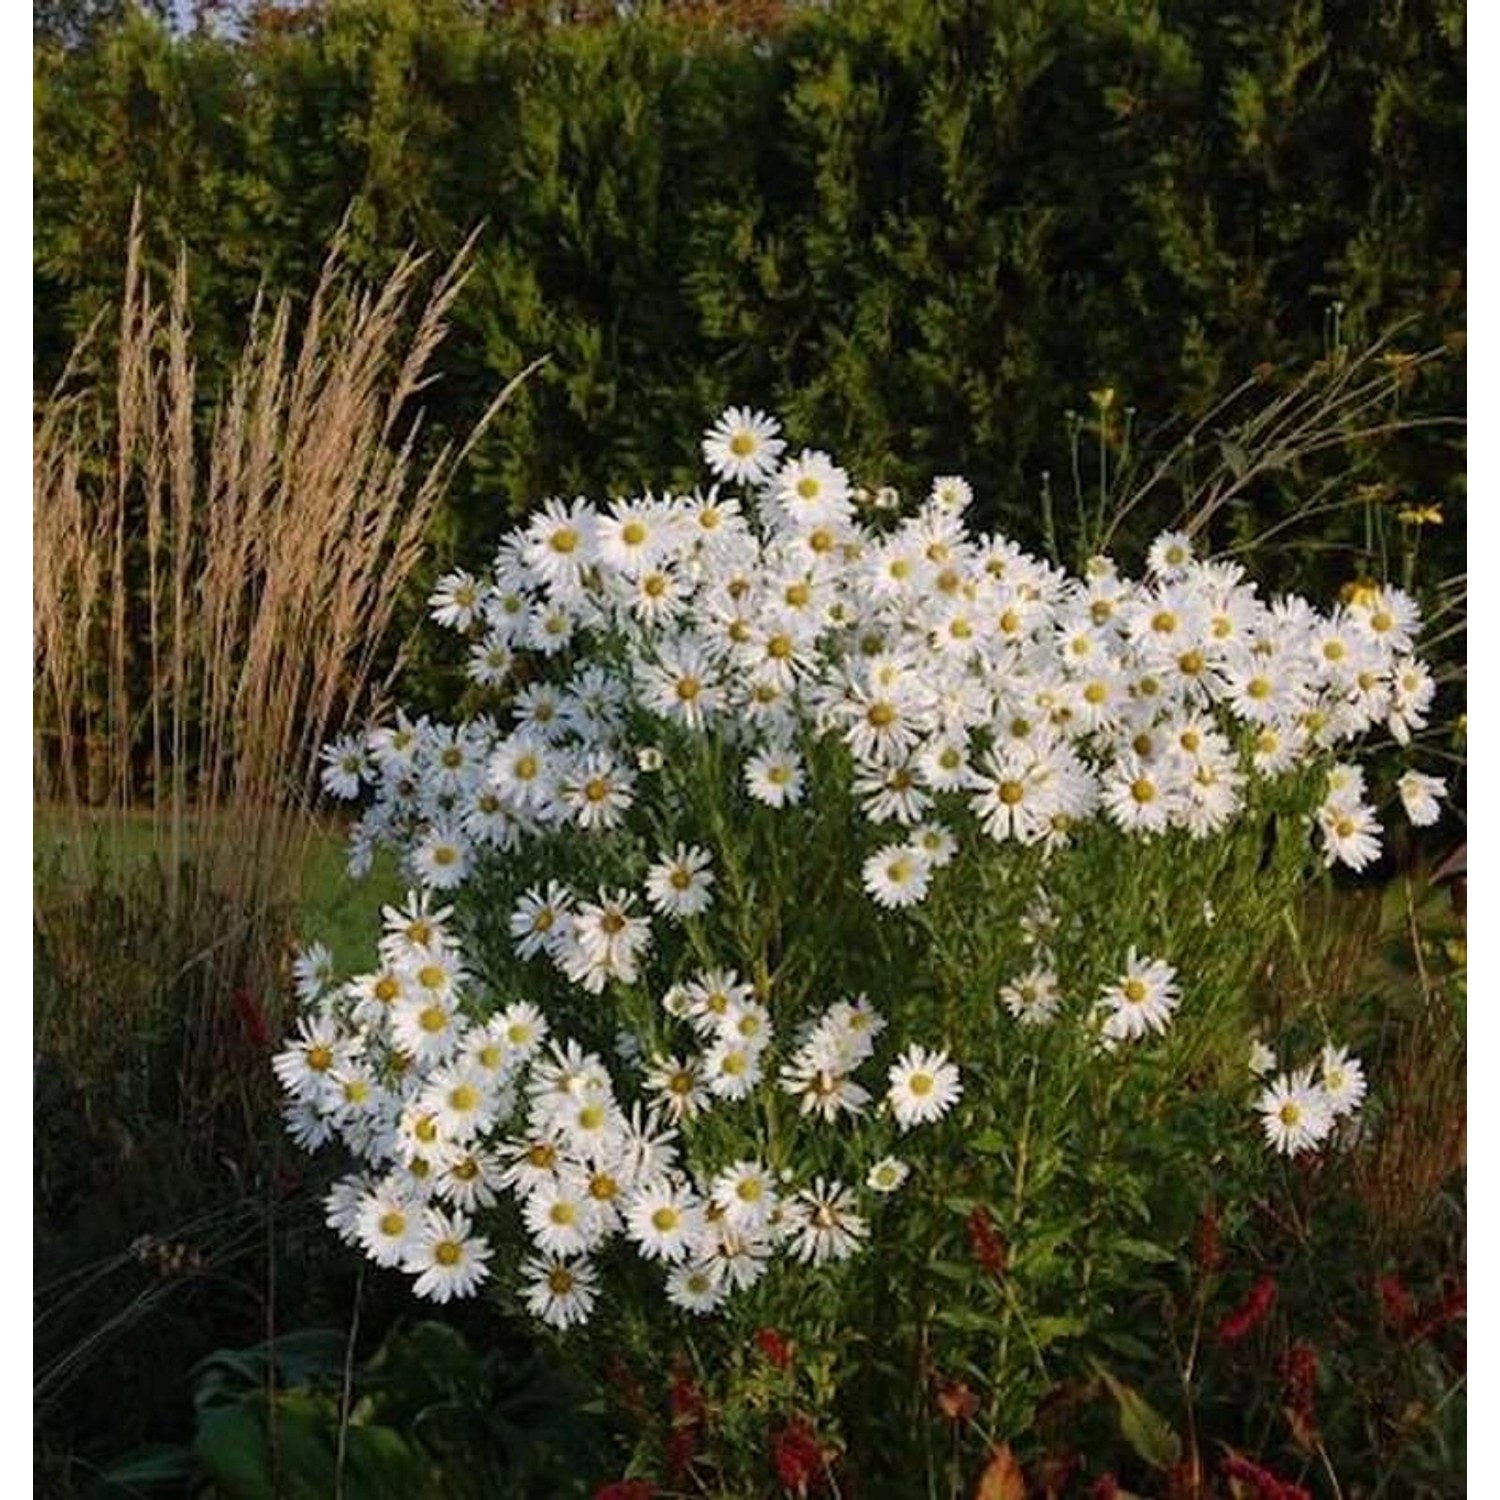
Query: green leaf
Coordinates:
[160,1464]
[966,1320]
[1045,1331]
[1144,1250]
[1150,1435]
[1128,1345]
[990,1143]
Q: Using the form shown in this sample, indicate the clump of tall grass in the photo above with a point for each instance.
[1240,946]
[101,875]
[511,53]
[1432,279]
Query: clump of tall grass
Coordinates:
[217,568]
[213,583]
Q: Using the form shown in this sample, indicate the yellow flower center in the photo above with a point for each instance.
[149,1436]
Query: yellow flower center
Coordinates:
[392,1224]
[447,1252]
[433,1019]
[320,1058]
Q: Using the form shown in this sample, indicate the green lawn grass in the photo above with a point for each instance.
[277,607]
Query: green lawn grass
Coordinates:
[333,908]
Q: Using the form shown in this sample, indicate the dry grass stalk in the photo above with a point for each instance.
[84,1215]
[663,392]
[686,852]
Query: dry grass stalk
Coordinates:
[208,612]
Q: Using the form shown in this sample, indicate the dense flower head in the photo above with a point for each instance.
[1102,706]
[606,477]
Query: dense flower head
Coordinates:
[975,707]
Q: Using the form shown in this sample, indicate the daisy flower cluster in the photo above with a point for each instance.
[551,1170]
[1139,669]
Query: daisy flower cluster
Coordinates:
[454,1105]
[1299,1110]
[973,699]
[975,687]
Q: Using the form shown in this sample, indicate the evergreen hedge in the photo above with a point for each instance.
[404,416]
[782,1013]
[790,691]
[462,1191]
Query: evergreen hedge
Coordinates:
[921,232]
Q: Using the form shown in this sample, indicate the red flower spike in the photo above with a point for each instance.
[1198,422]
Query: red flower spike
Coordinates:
[1208,1242]
[682,1446]
[797,1458]
[774,1347]
[1262,1483]
[985,1243]
[1250,1314]
[1454,1305]
[626,1489]
[1396,1304]
[1105,1487]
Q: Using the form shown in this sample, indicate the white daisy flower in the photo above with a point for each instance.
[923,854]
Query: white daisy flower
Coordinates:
[665,1219]
[539,920]
[1294,1113]
[677,1086]
[1142,1000]
[313,973]
[1262,1059]
[1351,833]
[441,859]
[1419,796]
[811,490]
[681,883]
[897,875]
[456,601]
[732,1068]
[745,1192]
[389,1225]
[887,1175]
[1342,1079]
[345,768]
[743,446]
[447,1259]
[598,791]
[821,1224]
[951,494]
[560,1217]
[560,1292]
[697,1287]
[1033,998]
[774,776]
[306,1067]
[924,1086]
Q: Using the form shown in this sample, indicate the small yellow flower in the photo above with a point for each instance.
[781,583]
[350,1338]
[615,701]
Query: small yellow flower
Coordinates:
[1103,399]
[1421,515]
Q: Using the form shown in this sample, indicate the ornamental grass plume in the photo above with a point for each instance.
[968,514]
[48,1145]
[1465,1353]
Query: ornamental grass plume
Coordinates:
[215,576]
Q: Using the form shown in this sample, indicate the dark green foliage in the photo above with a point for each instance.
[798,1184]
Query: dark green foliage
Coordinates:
[426,1413]
[922,233]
